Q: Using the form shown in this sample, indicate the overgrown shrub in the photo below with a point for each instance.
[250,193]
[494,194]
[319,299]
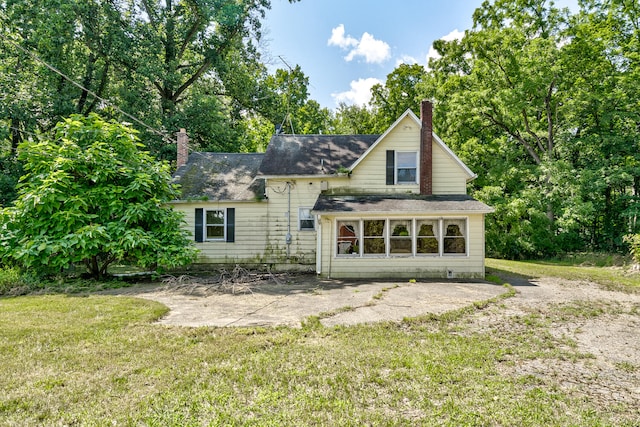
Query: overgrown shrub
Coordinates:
[633,240]
[10,280]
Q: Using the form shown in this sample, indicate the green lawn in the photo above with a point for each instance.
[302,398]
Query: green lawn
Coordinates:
[100,360]
[614,277]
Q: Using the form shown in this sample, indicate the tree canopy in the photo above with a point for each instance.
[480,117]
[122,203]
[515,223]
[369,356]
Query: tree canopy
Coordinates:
[91,196]
[543,103]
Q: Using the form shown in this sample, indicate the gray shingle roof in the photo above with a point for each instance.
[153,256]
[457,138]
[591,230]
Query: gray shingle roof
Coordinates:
[221,176]
[313,154]
[409,203]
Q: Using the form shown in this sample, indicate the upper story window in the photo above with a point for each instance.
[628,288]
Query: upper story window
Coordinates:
[406,167]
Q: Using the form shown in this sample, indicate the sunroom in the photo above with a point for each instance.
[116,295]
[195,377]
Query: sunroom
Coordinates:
[400,236]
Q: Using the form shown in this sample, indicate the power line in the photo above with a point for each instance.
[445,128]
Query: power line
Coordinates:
[105,101]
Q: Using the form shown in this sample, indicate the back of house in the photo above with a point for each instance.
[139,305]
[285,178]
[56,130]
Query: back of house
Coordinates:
[346,206]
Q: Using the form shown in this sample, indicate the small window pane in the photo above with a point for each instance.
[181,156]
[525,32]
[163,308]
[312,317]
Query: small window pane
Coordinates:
[307,221]
[374,242]
[454,236]
[348,234]
[215,217]
[400,240]
[215,232]
[427,237]
[406,160]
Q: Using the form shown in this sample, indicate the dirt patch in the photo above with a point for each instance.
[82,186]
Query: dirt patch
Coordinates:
[601,326]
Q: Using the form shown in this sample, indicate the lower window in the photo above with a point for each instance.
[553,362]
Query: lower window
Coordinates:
[214,225]
[402,237]
[454,236]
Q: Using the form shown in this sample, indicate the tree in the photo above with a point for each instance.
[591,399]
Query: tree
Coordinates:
[400,92]
[354,119]
[90,196]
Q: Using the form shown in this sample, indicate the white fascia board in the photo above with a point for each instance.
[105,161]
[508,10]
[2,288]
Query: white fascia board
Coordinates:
[445,147]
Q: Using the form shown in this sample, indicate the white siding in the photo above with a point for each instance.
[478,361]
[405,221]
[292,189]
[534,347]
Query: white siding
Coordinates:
[369,176]
[448,177]
[261,228]
[467,266]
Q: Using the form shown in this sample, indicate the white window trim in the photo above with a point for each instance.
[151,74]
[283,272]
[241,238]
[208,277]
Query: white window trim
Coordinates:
[312,217]
[224,225]
[395,168]
[466,237]
[414,237]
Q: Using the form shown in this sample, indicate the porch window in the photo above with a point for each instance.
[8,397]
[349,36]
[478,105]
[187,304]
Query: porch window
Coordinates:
[406,167]
[215,225]
[400,240]
[455,231]
[305,220]
[373,236]
[348,238]
[427,237]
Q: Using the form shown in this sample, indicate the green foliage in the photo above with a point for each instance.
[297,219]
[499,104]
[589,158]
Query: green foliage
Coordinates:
[633,240]
[90,196]
[400,92]
[10,278]
[540,103]
[10,172]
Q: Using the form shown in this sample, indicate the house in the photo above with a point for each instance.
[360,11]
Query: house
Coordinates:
[348,206]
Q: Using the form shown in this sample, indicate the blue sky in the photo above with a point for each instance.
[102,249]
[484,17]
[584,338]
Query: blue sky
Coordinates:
[346,46]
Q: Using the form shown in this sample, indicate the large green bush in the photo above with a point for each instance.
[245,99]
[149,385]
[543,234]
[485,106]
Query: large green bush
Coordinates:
[91,197]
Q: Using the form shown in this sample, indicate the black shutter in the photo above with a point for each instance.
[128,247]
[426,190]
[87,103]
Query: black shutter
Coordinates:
[391,167]
[231,224]
[199,227]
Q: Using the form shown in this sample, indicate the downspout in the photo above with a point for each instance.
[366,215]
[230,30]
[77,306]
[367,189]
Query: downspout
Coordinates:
[332,238]
[319,245]
[288,236]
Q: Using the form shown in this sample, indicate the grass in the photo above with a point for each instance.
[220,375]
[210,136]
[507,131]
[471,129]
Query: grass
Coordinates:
[100,360]
[612,277]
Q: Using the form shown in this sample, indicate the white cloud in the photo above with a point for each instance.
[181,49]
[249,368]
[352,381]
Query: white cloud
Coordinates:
[360,92]
[372,50]
[338,38]
[453,35]
[406,59]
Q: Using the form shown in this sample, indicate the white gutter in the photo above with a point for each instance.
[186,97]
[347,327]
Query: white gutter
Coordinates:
[319,245]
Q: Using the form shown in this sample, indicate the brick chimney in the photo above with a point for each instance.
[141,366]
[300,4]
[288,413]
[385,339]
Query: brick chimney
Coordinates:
[426,148]
[183,148]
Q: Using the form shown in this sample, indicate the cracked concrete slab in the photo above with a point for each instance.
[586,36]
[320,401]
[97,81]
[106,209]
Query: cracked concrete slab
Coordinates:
[335,302]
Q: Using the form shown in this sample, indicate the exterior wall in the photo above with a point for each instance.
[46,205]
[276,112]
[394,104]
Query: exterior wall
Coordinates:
[409,267]
[448,177]
[369,176]
[283,215]
[249,244]
[261,228]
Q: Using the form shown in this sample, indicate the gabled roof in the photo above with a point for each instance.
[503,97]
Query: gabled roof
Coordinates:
[436,139]
[221,176]
[309,155]
[405,203]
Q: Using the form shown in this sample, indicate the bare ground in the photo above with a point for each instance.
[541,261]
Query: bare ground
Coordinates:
[602,326]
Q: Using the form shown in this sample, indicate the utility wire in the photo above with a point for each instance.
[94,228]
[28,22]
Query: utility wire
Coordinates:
[106,101]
